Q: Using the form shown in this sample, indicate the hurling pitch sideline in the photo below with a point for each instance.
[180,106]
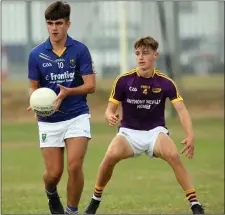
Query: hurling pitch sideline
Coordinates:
[138,185]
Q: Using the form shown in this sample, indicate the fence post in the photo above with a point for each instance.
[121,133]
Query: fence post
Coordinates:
[123,36]
[29,29]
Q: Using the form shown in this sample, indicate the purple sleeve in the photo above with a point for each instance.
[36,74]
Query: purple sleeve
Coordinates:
[33,71]
[117,94]
[173,92]
[86,67]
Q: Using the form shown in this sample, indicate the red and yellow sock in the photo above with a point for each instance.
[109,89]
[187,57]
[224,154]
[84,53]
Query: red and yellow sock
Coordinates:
[98,192]
[191,196]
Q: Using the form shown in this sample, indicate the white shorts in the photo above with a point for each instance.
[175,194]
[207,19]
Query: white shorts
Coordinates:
[142,141]
[54,134]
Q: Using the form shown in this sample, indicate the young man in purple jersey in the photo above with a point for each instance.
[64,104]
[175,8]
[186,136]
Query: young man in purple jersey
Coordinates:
[65,66]
[142,93]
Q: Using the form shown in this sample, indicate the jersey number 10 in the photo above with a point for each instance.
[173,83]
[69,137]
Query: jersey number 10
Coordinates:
[60,65]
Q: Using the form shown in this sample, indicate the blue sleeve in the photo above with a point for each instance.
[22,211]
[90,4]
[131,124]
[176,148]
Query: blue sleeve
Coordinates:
[85,62]
[33,71]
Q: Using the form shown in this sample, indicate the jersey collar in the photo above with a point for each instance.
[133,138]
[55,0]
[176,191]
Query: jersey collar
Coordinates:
[69,42]
[153,74]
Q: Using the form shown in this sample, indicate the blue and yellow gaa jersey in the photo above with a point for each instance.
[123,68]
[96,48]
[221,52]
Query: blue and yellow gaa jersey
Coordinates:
[66,68]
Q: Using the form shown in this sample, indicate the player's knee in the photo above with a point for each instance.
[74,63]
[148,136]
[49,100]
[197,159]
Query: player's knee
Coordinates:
[111,159]
[53,175]
[118,150]
[75,167]
[173,157]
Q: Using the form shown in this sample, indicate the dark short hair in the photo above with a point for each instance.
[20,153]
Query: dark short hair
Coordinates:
[58,10]
[146,42]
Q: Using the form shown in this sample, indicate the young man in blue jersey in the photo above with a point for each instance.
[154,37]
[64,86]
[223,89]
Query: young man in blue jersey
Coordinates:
[142,94]
[64,65]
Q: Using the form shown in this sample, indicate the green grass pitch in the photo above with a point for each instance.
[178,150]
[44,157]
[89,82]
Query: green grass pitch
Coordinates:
[138,185]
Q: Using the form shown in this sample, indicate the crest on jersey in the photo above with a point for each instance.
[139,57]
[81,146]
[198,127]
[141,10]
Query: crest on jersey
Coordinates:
[43,137]
[156,90]
[72,63]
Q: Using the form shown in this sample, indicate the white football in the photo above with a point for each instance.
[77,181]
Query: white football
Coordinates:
[42,101]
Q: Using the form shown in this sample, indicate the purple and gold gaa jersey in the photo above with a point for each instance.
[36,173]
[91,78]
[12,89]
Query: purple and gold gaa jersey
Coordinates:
[143,99]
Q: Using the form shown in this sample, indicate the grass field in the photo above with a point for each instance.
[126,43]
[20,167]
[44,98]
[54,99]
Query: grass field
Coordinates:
[138,185]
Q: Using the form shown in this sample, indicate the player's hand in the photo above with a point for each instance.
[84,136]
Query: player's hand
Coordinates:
[112,119]
[188,149]
[35,115]
[29,108]
[64,91]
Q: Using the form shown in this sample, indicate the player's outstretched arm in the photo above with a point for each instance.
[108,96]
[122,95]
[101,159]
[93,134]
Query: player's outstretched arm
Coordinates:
[110,114]
[184,117]
[186,122]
